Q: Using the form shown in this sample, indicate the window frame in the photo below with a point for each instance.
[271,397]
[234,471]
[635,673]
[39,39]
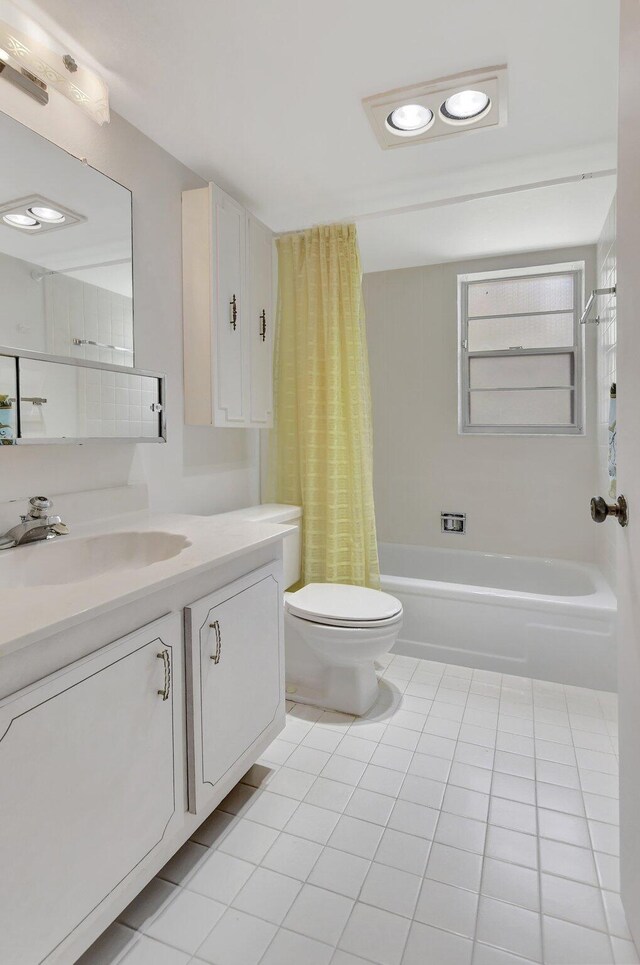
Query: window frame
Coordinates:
[577,350]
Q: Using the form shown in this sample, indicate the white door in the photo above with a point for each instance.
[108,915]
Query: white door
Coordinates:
[628,392]
[229,241]
[237,675]
[260,322]
[87,786]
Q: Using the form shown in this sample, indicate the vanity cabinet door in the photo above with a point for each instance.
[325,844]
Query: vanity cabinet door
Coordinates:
[234,638]
[260,322]
[230,320]
[88,773]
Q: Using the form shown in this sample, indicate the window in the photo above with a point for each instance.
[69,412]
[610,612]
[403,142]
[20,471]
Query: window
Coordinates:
[521,351]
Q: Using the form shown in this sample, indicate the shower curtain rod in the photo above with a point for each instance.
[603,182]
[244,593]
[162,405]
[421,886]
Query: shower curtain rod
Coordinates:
[463,198]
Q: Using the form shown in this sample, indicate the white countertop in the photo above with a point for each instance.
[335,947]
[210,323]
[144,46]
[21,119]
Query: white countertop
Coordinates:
[31,613]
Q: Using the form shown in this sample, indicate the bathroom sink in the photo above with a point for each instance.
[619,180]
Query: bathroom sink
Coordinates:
[61,561]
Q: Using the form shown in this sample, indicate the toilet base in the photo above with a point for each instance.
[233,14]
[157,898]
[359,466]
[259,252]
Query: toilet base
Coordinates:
[334,667]
[350,690]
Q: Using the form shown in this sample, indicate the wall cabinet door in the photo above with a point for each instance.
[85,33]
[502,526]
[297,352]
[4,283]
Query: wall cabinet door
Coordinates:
[236,676]
[88,785]
[260,322]
[230,319]
[227,262]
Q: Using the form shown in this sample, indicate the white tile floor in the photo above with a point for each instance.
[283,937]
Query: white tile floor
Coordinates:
[470,819]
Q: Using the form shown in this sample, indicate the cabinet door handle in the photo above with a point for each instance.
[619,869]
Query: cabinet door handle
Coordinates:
[166,690]
[263,326]
[215,626]
[233,304]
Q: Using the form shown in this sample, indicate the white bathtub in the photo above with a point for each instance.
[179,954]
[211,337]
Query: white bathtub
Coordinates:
[548,619]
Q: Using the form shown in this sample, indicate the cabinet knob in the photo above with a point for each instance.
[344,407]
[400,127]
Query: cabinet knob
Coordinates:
[215,626]
[166,690]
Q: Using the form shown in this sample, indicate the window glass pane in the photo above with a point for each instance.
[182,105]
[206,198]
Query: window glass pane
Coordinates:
[506,296]
[544,407]
[515,371]
[530,331]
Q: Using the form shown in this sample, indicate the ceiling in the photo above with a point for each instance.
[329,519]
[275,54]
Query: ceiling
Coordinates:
[264,97]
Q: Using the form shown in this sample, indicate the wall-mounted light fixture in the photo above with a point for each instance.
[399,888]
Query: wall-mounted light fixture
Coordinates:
[36,69]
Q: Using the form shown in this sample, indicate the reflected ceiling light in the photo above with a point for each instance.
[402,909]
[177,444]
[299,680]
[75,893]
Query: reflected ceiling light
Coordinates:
[50,215]
[21,221]
[465,106]
[38,213]
[410,120]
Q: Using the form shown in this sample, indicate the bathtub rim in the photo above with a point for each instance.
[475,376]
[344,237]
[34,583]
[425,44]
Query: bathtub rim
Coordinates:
[601,601]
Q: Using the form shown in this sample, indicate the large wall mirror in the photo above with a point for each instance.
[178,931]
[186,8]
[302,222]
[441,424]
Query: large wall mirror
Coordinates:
[65,253]
[66,302]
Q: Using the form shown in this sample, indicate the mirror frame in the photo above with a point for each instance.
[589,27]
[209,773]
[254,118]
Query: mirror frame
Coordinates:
[160,377]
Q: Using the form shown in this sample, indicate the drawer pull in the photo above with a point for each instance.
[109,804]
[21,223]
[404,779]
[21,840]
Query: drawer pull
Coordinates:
[233,304]
[215,626]
[164,656]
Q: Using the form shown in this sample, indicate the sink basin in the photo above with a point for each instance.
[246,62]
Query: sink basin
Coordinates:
[62,561]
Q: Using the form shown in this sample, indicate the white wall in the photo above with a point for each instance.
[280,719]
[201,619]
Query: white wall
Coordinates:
[200,469]
[523,495]
[22,319]
[628,245]
[606,308]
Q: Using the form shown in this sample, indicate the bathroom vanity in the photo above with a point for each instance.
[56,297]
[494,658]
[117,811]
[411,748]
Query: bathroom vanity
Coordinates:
[141,674]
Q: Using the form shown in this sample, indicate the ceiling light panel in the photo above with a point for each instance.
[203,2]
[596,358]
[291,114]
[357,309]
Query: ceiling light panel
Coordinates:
[440,108]
[37,214]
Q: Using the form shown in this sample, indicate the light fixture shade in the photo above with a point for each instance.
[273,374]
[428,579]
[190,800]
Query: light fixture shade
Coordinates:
[79,84]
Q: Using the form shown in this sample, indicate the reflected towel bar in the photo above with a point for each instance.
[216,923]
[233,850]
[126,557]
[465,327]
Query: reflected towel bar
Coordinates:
[114,348]
[584,318]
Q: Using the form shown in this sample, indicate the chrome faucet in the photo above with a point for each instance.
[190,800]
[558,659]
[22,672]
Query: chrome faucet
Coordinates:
[35,525]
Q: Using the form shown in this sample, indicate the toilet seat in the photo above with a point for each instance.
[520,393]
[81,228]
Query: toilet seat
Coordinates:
[343,605]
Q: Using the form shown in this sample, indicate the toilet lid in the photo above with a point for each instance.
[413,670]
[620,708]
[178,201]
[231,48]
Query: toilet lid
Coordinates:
[341,604]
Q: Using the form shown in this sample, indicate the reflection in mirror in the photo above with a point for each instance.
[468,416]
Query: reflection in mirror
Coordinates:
[8,393]
[66,401]
[65,253]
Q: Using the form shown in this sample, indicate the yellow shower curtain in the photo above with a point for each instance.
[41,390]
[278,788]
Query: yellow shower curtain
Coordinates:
[321,445]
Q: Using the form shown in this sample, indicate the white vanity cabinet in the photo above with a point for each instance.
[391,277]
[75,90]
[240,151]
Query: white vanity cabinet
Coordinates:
[227,312]
[235,679]
[90,768]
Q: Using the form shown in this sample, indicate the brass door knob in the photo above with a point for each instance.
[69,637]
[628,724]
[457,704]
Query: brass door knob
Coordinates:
[601,509]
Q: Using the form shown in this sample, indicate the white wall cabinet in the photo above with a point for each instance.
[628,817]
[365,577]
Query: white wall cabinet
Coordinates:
[234,658]
[227,312]
[89,772]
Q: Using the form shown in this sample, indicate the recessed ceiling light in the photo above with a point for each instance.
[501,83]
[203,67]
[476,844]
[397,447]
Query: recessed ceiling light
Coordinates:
[465,106]
[50,215]
[21,221]
[410,120]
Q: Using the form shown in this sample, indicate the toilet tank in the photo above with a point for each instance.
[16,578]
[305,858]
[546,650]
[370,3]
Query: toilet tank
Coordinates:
[285,515]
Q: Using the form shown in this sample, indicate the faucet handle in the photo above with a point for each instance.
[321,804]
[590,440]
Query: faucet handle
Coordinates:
[39,506]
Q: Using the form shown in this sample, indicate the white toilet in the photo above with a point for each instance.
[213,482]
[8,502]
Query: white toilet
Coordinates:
[334,632]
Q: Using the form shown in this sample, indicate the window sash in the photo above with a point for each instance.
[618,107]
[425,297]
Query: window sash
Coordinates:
[575,427]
